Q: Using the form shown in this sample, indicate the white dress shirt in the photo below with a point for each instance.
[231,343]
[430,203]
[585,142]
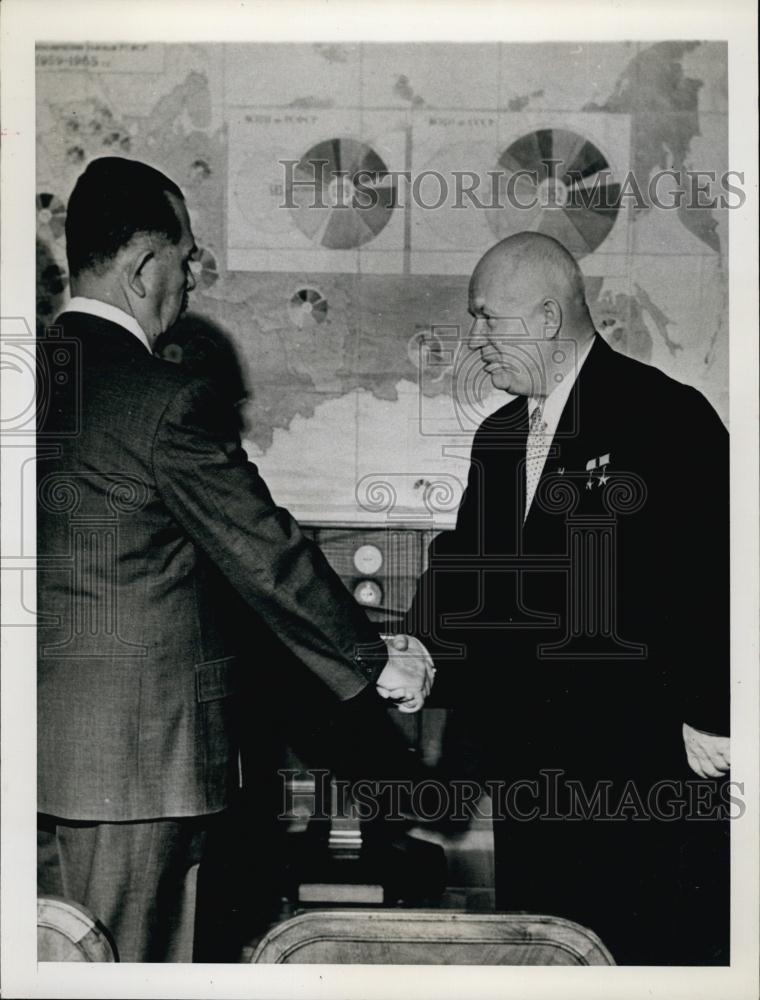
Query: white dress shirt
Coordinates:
[94,307]
[553,405]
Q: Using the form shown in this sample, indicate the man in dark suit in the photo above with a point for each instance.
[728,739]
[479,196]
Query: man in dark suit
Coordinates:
[584,597]
[149,515]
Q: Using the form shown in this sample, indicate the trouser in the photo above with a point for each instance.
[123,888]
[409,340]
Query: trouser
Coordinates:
[600,820]
[138,879]
[640,857]
[656,893]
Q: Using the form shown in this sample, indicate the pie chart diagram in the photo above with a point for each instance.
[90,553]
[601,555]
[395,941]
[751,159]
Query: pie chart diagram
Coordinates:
[307,308]
[558,183]
[207,270]
[51,214]
[428,354]
[342,194]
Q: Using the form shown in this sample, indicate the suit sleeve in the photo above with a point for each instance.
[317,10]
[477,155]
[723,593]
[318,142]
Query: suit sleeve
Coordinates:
[701,576]
[221,501]
[448,592]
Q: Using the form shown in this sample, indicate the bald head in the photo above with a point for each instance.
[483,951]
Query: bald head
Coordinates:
[530,314]
[527,268]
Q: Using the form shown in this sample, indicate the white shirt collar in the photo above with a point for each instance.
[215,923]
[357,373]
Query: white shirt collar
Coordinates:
[554,403]
[104,310]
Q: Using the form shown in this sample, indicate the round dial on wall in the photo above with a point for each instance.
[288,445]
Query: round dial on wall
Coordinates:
[369,593]
[368,559]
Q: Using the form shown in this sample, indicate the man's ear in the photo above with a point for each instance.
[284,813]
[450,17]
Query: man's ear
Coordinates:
[138,270]
[552,315]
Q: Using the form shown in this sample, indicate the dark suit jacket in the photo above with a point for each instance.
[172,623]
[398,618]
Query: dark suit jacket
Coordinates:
[147,515]
[648,629]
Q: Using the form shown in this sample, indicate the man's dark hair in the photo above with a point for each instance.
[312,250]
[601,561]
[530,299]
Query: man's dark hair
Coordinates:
[112,200]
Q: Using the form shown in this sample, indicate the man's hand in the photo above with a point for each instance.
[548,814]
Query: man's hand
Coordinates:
[709,756]
[408,675]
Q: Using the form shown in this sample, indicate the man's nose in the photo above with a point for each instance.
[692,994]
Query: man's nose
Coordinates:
[191,281]
[476,338]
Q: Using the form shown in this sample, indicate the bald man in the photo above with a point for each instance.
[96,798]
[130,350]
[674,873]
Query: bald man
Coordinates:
[582,601]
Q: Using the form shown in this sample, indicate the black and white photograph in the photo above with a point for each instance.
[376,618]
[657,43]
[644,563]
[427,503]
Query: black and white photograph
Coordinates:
[380,543]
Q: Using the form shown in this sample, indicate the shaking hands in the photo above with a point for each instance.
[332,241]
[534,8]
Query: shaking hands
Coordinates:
[407,677]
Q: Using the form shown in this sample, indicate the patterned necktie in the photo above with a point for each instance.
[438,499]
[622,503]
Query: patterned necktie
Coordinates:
[535,454]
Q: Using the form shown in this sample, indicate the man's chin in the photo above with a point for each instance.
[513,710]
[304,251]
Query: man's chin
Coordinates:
[510,382]
[502,380]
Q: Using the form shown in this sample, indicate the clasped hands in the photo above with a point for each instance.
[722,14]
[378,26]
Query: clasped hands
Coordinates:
[407,677]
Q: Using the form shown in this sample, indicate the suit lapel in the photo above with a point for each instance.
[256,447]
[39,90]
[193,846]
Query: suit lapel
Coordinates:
[500,453]
[582,422]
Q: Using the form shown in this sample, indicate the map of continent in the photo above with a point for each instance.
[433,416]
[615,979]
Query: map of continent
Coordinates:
[328,361]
